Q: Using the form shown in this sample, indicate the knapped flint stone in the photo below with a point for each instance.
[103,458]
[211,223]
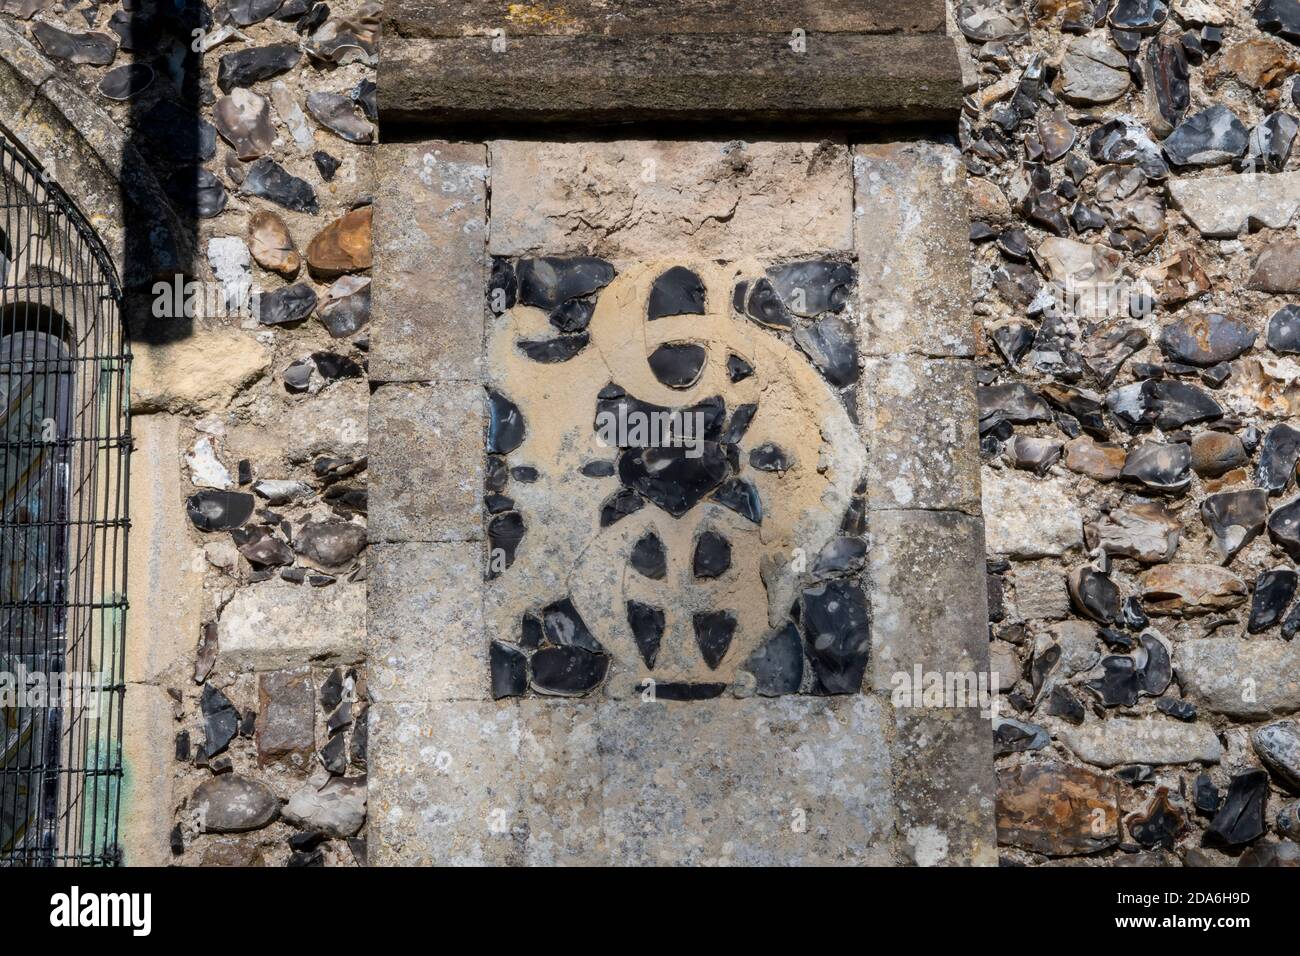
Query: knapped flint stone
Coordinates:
[220,722]
[1274,590]
[247,12]
[1241,818]
[1284,330]
[669,478]
[1093,71]
[619,505]
[1187,589]
[1167,77]
[741,497]
[1281,17]
[1031,453]
[244,120]
[1288,820]
[1156,669]
[712,556]
[810,288]
[567,671]
[1271,141]
[326,164]
[1094,594]
[213,510]
[1159,824]
[549,282]
[1140,15]
[1278,455]
[126,82]
[1205,795]
[833,348]
[713,633]
[759,301]
[678,364]
[1061,703]
[1285,853]
[679,291]
[1056,809]
[262,549]
[838,635]
[233,804]
[249,66]
[1178,709]
[1284,527]
[573,316]
[984,20]
[739,423]
[777,665]
[738,369]
[647,624]
[769,457]
[199,187]
[843,554]
[338,114]
[1208,138]
[1161,402]
[1119,684]
[332,543]
[1206,339]
[1056,133]
[329,804]
[1278,746]
[564,626]
[505,532]
[334,755]
[267,179]
[1160,466]
[506,426]
[1126,142]
[342,246]
[509,667]
[95,49]
[552,351]
[1012,736]
[648,557]
[284,306]
[1011,402]
[1276,268]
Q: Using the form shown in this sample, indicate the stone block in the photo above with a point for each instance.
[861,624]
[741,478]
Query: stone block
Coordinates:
[626,199]
[277,624]
[425,617]
[1029,517]
[199,373]
[286,717]
[430,282]
[1156,741]
[911,230]
[426,462]
[920,420]
[1057,809]
[1247,679]
[148,780]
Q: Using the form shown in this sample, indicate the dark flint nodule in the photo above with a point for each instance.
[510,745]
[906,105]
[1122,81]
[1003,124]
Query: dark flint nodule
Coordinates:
[1274,590]
[841,555]
[195,185]
[338,114]
[333,366]
[126,82]
[565,627]
[1138,15]
[713,633]
[267,179]
[1014,736]
[1284,527]
[249,66]
[838,635]
[1281,17]
[1209,138]
[496,503]
[212,510]
[769,457]
[777,665]
[1061,703]
[1278,455]
[1160,467]
[619,505]
[286,305]
[741,497]
[1119,684]
[552,351]
[1157,670]
[1160,824]
[1205,795]
[567,671]
[1270,142]
[1161,402]
[810,288]
[549,282]
[506,426]
[1183,710]
[220,722]
[1206,339]
[1167,74]
[598,469]
[712,555]
[1011,403]
[671,480]
[505,532]
[1291,625]
[509,669]
[526,474]
[678,291]
[1235,518]
[326,164]
[1241,818]
[247,12]
[678,364]
[647,624]
[830,344]
[738,369]
[672,691]
[648,557]
[531,634]
[763,305]
[1094,594]
[572,316]
[1284,330]
[95,49]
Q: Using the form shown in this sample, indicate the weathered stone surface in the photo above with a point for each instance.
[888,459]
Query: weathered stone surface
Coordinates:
[1251,680]
[1190,589]
[234,804]
[148,783]
[1278,746]
[426,640]
[1216,453]
[426,463]
[286,717]
[1040,592]
[1124,740]
[910,225]
[198,373]
[549,782]
[342,246]
[1057,809]
[277,625]
[329,804]
[1093,71]
[1206,338]
[1277,268]
[1221,207]
[1101,461]
[920,420]
[1146,532]
[1027,517]
[705,199]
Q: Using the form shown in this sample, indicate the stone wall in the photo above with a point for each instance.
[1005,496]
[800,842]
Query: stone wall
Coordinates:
[1132,204]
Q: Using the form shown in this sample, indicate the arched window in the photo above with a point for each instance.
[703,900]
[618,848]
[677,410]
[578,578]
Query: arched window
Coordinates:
[64,446]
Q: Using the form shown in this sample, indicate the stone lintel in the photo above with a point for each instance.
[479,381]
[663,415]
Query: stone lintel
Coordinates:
[593,81]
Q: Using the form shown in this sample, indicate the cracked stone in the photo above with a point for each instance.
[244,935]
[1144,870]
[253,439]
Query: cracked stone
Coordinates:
[1126,142]
[1187,589]
[338,114]
[1274,590]
[1209,138]
[1217,453]
[1206,339]
[1057,809]
[647,624]
[1235,518]
[1284,527]
[330,544]
[1241,818]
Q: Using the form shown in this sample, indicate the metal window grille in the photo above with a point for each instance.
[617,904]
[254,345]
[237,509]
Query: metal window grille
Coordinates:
[64,447]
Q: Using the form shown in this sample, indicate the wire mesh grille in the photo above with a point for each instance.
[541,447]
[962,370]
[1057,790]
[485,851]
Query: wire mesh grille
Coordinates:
[64,447]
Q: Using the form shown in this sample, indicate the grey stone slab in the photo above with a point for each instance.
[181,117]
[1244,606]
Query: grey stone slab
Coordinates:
[789,780]
[430,277]
[426,462]
[425,623]
[591,80]
[921,424]
[929,603]
[912,228]
[629,199]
